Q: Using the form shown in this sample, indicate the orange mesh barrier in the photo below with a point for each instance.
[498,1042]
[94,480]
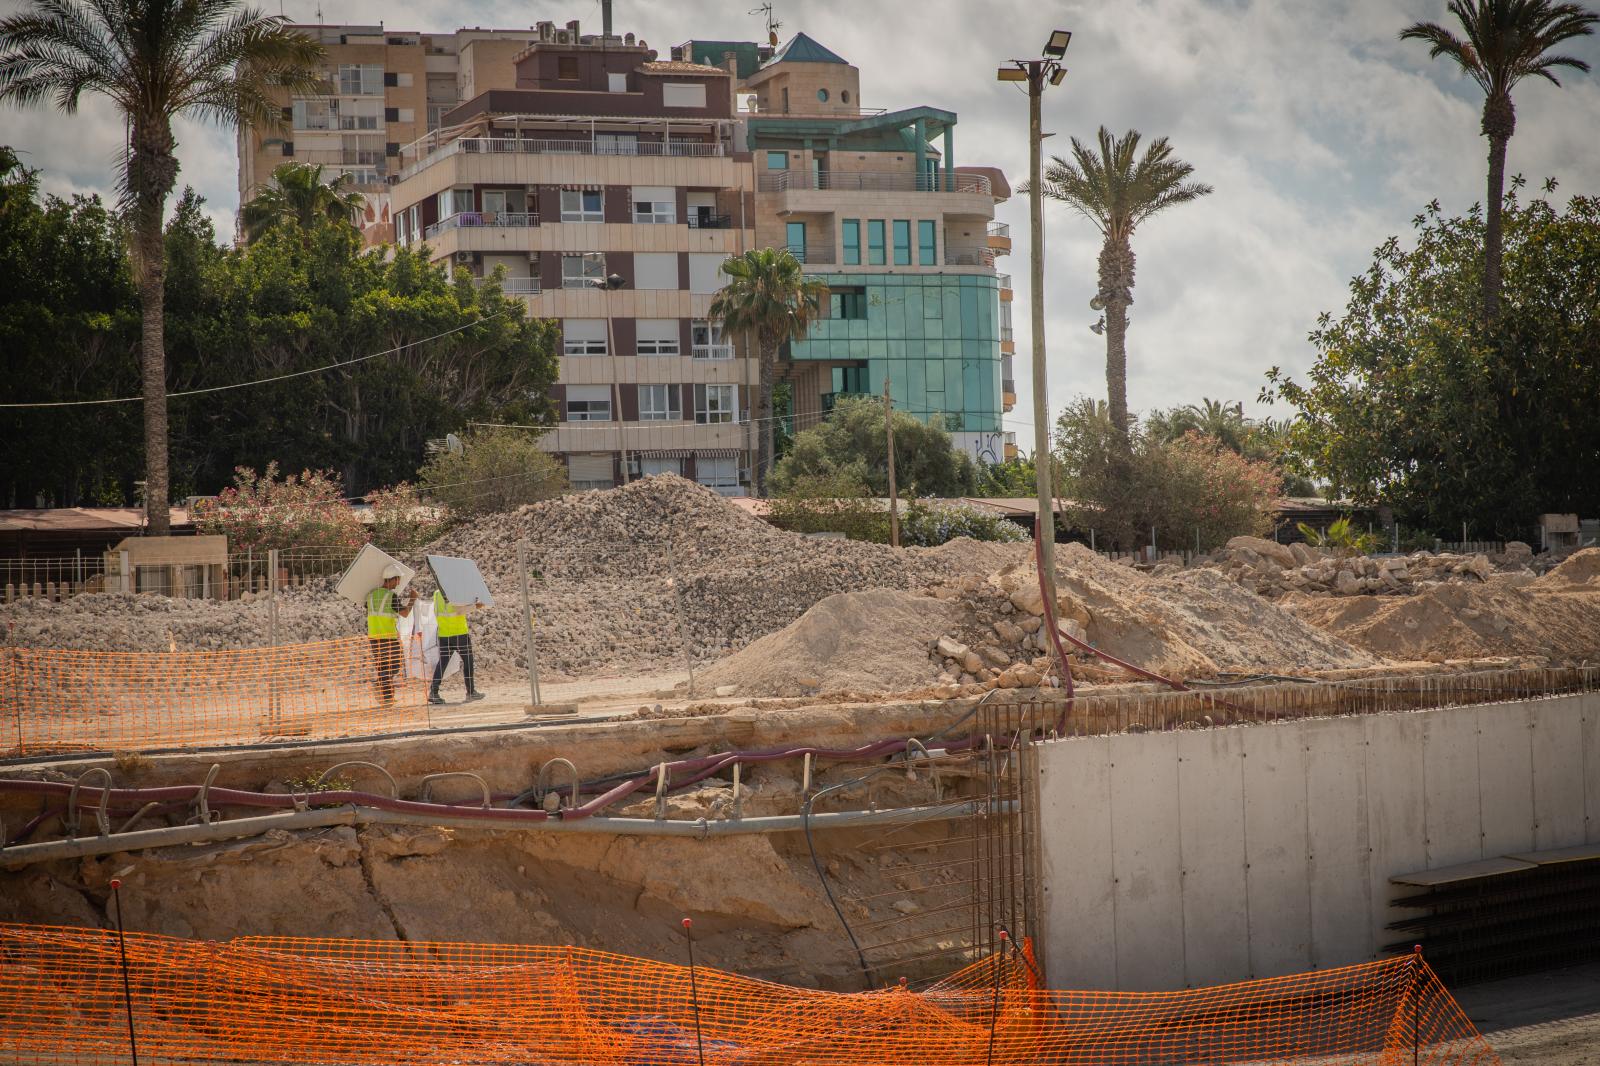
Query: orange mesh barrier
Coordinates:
[355,1002]
[57,700]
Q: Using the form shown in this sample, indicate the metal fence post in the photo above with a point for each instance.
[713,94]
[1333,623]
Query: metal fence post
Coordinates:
[272,596]
[127,573]
[683,622]
[527,622]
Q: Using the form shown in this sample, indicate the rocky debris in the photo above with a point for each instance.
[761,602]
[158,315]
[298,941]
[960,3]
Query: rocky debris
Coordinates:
[1582,567]
[1275,570]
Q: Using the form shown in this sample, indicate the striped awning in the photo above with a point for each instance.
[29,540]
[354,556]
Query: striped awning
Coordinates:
[686,453]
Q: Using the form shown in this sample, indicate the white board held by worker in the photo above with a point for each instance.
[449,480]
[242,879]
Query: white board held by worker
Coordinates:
[460,580]
[366,574]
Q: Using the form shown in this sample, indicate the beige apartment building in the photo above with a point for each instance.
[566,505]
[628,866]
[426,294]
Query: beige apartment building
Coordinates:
[606,188]
[383,89]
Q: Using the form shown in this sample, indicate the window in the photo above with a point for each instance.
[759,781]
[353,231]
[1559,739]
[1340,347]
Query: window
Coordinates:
[844,96]
[390,114]
[902,242]
[363,150]
[796,235]
[648,466]
[847,303]
[926,243]
[655,204]
[655,270]
[822,94]
[714,403]
[707,339]
[454,201]
[657,336]
[590,471]
[501,201]
[567,68]
[366,80]
[391,81]
[588,403]
[721,473]
[288,148]
[616,144]
[660,403]
[785,99]
[582,205]
[674,94]
[617,83]
[777,160]
[852,242]
[582,270]
[315,114]
[875,241]
[705,271]
[583,336]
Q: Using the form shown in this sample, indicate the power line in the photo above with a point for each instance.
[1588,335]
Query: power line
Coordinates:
[260,381]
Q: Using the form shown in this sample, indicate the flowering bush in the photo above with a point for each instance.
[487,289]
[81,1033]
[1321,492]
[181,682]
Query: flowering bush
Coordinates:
[260,512]
[929,526]
[400,519]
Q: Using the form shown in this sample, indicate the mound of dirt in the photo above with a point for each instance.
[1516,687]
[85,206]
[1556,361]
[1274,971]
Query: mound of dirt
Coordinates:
[873,641]
[1580,568]
[1457,621]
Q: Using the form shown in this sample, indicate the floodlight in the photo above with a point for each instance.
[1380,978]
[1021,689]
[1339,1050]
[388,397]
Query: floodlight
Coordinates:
[1096,304]
[1011,74]
[1099,327]
[1056,47]
[1059,76]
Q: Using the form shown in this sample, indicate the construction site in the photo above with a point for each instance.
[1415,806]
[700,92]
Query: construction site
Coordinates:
[771,798]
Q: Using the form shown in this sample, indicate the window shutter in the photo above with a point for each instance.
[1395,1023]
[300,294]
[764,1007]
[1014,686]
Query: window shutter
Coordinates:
[558,400]
[630,402]
[391,148]
[391,81]
[288,148]
[391,114]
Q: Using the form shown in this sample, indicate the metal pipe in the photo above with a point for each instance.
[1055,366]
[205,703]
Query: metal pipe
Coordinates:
[240,828]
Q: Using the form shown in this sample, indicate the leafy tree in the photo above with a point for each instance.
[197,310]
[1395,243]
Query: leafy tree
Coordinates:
[852,439]
[297,196]
[1412,403]
[834,502]
[1014,477]
[1226,424]
[768,297]
[1118,190]
[1122,486]
[1502,42]
[156,60]
[495,470]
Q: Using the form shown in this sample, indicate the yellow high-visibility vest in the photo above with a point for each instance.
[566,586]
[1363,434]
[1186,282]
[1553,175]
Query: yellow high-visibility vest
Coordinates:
[382,620]
[452,623]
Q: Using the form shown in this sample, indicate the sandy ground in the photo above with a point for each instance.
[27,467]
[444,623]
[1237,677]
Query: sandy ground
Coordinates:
[1549,1018]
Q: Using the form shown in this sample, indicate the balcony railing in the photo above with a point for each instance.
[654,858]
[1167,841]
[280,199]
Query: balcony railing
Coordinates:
[485,219]
[710,221]
[513,286]
[874,181]
[1004,280]
[564,146]
[713,351]
[1000,229]
[968,255]
[812,254]
[1006,333]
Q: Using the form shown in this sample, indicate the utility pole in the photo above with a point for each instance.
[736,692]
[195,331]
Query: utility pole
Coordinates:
[894,496]
[1036,74]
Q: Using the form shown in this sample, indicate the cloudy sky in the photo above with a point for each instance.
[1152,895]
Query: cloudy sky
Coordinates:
[1321,133]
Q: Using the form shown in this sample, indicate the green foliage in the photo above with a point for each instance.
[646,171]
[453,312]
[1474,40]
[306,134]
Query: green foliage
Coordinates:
[1226,424]
[836,502]
[261,511]
[853,440]
[1184,487]
[1014,477]
[401,520]
[298,197]
[1340,535]
[929,526]
[496,470]
[1414,402]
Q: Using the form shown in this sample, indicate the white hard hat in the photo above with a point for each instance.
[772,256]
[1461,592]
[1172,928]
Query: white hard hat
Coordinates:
[392,570]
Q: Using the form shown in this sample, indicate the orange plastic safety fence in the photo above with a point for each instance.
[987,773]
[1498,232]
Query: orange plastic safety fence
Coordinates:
[280,1000]
[58,700]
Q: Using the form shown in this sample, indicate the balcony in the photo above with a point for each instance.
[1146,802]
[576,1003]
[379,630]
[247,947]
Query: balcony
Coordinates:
[710,221]
[873,181]
[483,219]
[600,146]
[513,286]
[812,254]
[716,352]
[999,236]
[968,255]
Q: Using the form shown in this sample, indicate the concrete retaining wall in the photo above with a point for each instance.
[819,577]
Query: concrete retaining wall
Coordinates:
[1205,856]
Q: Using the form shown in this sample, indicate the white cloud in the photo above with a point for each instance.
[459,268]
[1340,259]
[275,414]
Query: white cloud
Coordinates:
[1321,132]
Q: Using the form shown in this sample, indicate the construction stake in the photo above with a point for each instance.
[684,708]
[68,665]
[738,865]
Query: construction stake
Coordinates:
[694,990]
[127,986]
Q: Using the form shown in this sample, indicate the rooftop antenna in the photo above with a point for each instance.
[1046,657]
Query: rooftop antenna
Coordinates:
[772,23]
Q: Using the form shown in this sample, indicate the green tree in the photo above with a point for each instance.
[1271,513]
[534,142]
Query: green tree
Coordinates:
[1014,477]
[297,196]
[1502,42]
[495,470]
[1223,422]
[853,440]
[156,60]
[1411,402]
[767,297]
[1118,190]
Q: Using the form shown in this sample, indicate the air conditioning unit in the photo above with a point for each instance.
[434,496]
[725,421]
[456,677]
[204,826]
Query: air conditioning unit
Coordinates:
[533,257]
[463,257]
[744,475]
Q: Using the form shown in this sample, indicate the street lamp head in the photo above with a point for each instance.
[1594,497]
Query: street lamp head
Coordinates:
[1011,74]
[1058,76]
[1056,47]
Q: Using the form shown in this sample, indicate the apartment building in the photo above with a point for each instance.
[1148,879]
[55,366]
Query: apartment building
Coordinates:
[606,188]
[382,89]
[874,204]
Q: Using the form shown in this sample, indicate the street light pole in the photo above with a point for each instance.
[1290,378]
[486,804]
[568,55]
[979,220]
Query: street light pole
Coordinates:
[1037,73]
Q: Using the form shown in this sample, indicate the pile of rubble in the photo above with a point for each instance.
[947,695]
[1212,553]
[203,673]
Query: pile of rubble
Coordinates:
[1273,570]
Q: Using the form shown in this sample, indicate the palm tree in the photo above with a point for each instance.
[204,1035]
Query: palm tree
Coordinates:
[298,196]
[1506,41]
[1117,190]
[1223,422]
[767,296]
[155,60]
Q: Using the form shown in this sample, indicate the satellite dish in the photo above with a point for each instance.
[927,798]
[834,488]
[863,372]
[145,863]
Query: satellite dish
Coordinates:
[1097,304]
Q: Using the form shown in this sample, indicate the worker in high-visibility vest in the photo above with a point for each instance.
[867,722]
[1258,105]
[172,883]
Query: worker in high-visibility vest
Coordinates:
[384,610]
[453,639]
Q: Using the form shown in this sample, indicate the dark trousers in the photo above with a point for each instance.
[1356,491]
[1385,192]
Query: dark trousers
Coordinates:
[385,664]
[462,645]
